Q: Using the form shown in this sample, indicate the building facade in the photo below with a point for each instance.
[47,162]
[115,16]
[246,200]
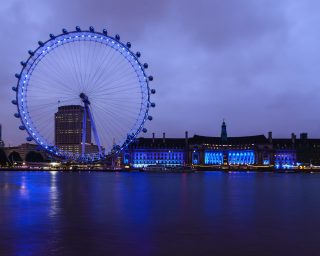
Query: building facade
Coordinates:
[68,129]
[220,151]
[164,151]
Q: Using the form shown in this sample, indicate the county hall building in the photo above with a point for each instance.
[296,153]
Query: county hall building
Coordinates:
[257,150]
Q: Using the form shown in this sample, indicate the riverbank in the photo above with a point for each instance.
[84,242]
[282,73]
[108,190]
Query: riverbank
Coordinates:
[167,171]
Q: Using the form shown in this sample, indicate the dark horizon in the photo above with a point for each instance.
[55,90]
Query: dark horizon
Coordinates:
[252,63]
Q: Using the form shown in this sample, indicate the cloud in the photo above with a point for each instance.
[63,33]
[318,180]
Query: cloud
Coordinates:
[254,63]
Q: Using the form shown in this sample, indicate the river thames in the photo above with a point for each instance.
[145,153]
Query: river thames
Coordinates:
[209,213]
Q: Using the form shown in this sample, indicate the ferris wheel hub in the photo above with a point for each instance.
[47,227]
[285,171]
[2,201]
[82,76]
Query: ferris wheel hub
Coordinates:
[84,98]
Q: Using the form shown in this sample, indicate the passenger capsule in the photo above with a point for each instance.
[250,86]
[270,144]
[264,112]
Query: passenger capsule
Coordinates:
[150,78]
[91,29]
[17,115]
[29,139]
[52,36]
[153,104]
[40,43]
[117,37]
[78,29]
[145,65]
[150,118]
[23,64]
[144,130]
[22,127]
[128,44]
[31,53]
[153,91]
[14,88]
[138,54]
[105,32]
[64,31]
[14,102]
[17,75]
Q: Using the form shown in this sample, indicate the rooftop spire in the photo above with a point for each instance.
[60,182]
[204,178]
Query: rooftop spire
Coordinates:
[224,135]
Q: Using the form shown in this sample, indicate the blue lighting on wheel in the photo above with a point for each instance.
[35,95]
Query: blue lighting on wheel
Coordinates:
[65,38]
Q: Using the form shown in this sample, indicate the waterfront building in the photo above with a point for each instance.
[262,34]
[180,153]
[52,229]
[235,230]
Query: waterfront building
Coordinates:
[152,151]
[199,150]
[24,152]
[206,151]
[248,150]
[68,129]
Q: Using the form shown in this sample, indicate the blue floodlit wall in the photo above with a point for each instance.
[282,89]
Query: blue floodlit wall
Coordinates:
[242,157]
[235,157]
[195,157]
[213,157]
[284,159]
[145,158]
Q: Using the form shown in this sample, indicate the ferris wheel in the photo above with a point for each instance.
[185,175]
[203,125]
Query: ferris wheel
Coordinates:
[83,95]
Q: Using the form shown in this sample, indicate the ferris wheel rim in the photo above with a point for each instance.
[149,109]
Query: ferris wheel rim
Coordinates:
[54,42]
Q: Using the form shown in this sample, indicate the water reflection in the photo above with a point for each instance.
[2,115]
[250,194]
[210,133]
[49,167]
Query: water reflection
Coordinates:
[23,188]
[54,199]
[53,213]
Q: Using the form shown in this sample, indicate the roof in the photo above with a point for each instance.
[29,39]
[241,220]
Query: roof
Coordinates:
[197,139]
[256,139]
[159,143]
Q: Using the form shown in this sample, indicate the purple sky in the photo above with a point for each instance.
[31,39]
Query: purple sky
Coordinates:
[255,63]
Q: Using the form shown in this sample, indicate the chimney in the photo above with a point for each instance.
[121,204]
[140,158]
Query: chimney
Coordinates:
[293,138]
[164,137]
[270,137]
[187,138]
[303,136]
[153,137]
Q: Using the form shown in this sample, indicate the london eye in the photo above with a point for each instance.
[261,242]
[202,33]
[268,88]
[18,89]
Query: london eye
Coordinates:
[83,95]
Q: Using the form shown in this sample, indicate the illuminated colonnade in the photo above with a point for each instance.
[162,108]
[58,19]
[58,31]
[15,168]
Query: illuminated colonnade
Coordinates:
[213,157]
[235,157]
[284,159]
[241,157]
[166,157]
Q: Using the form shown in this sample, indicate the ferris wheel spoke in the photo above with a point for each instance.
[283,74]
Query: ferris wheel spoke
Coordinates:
[91,68]
[56,83]
[105,89]
[71,66]
[84,69]
[112,70]
[101,64]
[130,91]
[104,68]
[55,71]
[65,66]
[125,105]
[113,112]
[114,129]
[76,68]
[119,119]
[110,79]
[124,113]
[108,83]
[99,61]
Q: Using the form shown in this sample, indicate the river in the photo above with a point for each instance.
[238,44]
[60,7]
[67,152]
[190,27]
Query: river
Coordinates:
[208,213]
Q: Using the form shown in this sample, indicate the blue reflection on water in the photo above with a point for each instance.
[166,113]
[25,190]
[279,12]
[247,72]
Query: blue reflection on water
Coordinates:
[54,213]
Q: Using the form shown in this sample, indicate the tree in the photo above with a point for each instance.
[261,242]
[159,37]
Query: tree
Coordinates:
[3,158]
[33,156]
[14,157]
